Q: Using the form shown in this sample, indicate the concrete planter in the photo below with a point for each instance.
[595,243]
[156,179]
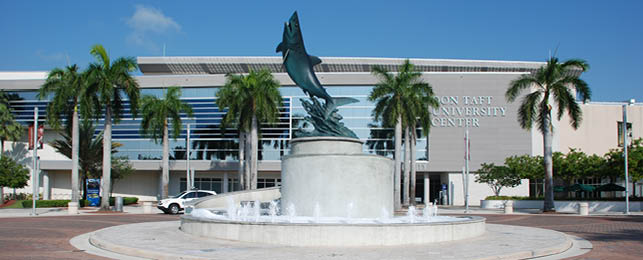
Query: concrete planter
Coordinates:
[564,205]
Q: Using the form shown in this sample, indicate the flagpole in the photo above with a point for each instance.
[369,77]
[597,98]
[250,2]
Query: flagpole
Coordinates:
[34,174]
[466,170]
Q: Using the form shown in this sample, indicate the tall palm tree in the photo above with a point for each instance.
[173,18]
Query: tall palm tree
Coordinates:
[551,85]
[158,114]
[108,82]
[392,96]
[68,87]
[419,101]
[90,150]
[250,99]
[9,128]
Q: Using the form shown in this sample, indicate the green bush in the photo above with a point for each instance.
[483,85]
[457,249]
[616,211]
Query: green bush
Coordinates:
[50,203]
[126,200]
[565,199]
[81,203]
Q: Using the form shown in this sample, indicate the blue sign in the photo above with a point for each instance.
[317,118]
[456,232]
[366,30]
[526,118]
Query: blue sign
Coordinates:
[93,192]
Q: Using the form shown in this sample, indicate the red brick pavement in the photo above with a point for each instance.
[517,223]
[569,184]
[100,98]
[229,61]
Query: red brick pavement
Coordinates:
[48,237]
[618,237]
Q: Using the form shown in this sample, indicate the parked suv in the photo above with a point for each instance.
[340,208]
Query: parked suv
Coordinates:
[174,204]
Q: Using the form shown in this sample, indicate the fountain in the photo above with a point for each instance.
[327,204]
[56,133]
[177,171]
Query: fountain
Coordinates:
[331,195]
[334,194]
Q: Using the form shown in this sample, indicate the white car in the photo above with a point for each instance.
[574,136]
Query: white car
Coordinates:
[174,204]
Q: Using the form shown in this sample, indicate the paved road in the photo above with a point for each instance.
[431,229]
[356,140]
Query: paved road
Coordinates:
[618,237]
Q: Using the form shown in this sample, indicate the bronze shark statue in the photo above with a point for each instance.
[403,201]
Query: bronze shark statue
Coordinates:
[299,65]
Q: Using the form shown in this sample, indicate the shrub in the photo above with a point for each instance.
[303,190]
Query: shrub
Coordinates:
[126,200]
[50,203]
[566,199]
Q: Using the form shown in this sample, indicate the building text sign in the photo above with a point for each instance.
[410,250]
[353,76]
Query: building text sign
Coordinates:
[465,111]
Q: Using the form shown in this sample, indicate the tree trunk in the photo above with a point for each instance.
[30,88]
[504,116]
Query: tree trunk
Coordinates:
[75,139]
[105,183]
[165,177]
[247,168]
[413,170]
[242,155]
[397,196]
[407,166]
[1,146]
[255,152]
[548,206]
[1,195]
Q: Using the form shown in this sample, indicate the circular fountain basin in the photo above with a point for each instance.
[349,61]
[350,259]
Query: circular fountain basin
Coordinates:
[325,231]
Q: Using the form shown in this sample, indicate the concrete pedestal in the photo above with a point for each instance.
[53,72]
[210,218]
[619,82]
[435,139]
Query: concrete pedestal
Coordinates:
[147,207]
[72,208]
[332,177]
[583,208]
[509,207]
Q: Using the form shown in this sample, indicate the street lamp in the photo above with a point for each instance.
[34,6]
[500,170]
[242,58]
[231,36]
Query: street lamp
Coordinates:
[627,181]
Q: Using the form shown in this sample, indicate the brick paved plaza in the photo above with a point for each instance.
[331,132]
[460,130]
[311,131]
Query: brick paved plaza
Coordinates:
[617,237]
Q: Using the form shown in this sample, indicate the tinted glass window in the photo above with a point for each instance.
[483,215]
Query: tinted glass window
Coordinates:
[190,195]
[204,194]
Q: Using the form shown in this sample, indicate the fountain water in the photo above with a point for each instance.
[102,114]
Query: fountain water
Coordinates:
[324,207]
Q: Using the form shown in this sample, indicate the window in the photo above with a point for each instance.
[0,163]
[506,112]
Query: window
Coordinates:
[190,195]
[536,187]
[620,133]
[267,183]
[203,194]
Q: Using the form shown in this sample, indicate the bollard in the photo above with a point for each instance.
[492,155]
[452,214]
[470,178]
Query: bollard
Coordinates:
[72,208]
[118,204]
[509,207]
[147,207]
[583,208]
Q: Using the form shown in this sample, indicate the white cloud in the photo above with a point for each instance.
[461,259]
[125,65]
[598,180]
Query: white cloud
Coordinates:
[149,20]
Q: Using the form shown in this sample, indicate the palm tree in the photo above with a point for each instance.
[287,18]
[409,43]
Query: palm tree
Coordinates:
[552,84]
[90,150]
[419,101]
[67,86]
[9,128]
[250,99]
[392,95]
[108,81]
[158,114]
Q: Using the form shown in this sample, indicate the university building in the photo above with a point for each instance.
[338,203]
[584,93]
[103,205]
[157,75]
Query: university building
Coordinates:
[470,92]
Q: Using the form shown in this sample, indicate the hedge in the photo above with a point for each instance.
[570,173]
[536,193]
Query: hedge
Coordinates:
[563,199]
[81,203]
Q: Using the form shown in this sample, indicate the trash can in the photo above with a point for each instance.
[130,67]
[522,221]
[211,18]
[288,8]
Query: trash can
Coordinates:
[118,204]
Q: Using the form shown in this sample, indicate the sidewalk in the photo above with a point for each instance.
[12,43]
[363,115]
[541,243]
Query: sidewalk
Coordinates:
[47,212]
[474,210]
[138,209]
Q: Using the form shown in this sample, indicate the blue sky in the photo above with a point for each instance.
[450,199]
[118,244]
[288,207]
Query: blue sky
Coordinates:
[41,35]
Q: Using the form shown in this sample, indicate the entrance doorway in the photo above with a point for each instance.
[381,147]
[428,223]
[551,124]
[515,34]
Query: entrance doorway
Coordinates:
[435,185]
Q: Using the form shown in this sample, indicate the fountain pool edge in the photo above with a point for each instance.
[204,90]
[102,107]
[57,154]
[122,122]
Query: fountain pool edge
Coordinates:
[312,234]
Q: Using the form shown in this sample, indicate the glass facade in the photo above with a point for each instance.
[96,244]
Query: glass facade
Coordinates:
[210,142]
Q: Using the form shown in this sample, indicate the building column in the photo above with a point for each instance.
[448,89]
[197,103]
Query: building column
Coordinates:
[427,189]
[225,182]
[46,188]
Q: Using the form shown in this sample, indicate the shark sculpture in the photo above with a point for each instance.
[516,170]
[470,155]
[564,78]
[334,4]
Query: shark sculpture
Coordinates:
[299,65]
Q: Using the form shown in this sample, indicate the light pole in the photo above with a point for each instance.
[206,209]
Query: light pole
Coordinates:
[627,179]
